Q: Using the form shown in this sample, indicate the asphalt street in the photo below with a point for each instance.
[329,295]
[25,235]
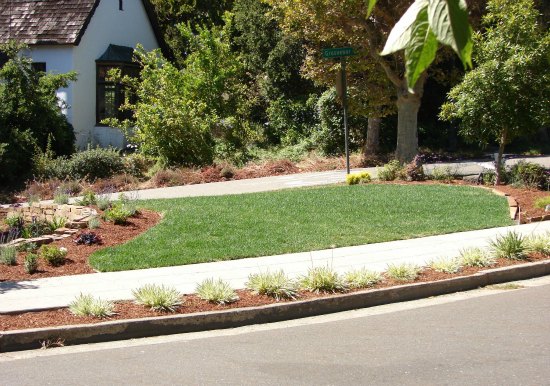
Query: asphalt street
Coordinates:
[486,337]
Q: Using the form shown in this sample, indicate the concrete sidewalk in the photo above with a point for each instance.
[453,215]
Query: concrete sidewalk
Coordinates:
[59,291]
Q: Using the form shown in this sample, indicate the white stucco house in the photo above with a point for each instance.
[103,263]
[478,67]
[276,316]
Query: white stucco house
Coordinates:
[89,37]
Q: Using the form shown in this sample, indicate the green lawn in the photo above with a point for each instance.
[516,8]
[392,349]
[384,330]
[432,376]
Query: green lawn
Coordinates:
[202,229]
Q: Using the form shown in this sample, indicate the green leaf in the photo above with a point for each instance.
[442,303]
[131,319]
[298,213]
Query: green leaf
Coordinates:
[370,6]
[401,33]
[449,21]
[421,50]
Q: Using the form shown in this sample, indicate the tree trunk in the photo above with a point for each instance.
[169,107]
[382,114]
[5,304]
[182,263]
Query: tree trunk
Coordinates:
[408,105]
[373,137]
[407,134]
[498,162]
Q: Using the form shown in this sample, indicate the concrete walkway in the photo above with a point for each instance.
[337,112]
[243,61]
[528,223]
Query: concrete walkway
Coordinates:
[59,291]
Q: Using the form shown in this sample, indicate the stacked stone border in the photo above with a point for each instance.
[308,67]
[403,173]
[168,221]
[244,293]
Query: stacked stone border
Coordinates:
[515,210]
[77,217]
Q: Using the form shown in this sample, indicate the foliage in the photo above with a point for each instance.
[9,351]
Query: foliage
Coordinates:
[14,220]
[96,163]
[88,238]
[529,174]
[445,265]
[158,298]
[276,284]
[31,263]
[414,170]
[402,272]
[88,198]
[8,255]
[36,228]
[507,94]
[323,279]
[137,164]
[219,291]
[358,178]
[391,171]
[362,278]
[510,246]
[117,213]
[60,197]
[103,202]
[442,173]
[30,114]
[87,305]
[94,223]
[53,255]
[542,202]
[538,244]
[476,257]
[56,223]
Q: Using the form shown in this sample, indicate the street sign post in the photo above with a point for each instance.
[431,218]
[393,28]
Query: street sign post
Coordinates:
[341,53]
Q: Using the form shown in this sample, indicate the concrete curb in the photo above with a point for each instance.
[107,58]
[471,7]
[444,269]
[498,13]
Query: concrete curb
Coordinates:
[176,324]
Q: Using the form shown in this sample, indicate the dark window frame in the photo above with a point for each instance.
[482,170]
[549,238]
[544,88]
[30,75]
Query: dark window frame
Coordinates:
[119,92]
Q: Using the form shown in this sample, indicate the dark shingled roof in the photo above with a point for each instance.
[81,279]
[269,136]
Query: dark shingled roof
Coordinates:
[45,21]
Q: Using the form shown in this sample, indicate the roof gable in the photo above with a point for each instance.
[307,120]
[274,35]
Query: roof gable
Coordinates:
[47,22]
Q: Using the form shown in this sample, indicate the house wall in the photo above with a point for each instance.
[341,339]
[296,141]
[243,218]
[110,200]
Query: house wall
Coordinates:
[108,25]
[58,59]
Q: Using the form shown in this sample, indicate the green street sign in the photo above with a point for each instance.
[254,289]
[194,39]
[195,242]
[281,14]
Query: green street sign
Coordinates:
[329,53]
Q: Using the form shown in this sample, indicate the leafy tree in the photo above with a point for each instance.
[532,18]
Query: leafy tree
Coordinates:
[30,115]
[508,93]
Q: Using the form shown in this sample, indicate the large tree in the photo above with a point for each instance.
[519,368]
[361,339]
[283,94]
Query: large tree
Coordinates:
[508,93]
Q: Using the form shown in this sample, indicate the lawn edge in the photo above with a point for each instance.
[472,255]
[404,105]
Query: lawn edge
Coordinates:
[18,340]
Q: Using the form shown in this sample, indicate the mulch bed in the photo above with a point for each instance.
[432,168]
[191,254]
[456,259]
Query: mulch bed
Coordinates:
[77,255]
[192,304]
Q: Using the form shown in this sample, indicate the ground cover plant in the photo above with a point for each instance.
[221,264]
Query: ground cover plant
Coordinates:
[402,272]
[216,291]
[158,297]
[274,284]
[87,305]
[201,229]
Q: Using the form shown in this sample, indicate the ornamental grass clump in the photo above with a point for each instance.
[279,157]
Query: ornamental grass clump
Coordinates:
[362,278]
[87,305]
[402,272]
[445,265]
[323,279]
[538,244]
[216,291]
[8,255]
[476,257]
[510,246]
[276,284]
[158,297]
[31,263]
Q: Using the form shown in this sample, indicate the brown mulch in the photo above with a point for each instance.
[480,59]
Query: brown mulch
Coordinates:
[192,304]
[77,255]
[526,199]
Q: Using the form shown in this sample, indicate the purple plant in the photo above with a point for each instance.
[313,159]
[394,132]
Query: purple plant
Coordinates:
[88,238]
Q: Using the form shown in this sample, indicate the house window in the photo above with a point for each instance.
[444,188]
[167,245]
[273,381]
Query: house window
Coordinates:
[111,95]
[39,66]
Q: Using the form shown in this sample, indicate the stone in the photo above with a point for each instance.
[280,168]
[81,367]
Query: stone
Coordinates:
[499,193]
[512,201]
[535,219]
[473,178]
[513,212]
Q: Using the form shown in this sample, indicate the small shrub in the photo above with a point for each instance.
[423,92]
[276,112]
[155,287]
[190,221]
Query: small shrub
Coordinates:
[60,197]
[323,279]
[27,247]
[8,255]
[56,223]
[117,213]
[362,278]
[276,285]
[31,263]
[538,244]
[445,265]
[129,203]
[36,228]
[509,246]
[476,257]
[227,172]
[88,198]
[158,297]
[94,223]
[88,238]
[137,164]
[219,291]
[444,174]
[70,187]
[358,178]
[14,220]
[87,305]
[53,255]
[402,272]
[542,202]
[33,199]
[103,202]
[414,170]
[528,174]
[391,171]
[96,163]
